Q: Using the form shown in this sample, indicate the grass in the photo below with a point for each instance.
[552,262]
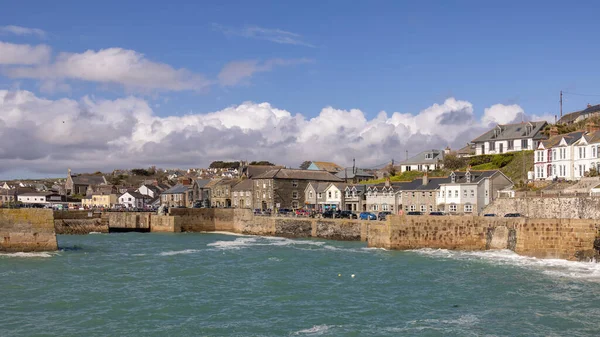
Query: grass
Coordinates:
[409,176]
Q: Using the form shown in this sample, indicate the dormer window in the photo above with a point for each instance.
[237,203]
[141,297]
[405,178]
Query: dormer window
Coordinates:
[453,177]
[468,177]
[429,156]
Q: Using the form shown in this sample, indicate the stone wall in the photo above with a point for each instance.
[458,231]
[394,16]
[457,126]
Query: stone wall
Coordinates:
[542,238]
[128,221]
[27,230]
[564,207]
[79,222]
[164,224]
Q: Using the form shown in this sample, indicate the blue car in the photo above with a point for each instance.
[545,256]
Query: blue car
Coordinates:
[367,216]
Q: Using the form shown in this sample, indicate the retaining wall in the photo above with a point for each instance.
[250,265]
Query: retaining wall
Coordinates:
[27,230]
[564,207]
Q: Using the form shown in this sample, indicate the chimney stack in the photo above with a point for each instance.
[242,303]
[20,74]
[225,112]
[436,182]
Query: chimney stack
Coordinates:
[589,105]
[425,179]
[388,183]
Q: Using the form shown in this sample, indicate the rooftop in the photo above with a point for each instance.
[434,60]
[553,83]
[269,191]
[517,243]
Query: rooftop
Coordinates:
[514,131]
[312,175]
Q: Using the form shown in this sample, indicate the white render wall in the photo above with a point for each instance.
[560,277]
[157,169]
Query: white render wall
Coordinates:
[516,146]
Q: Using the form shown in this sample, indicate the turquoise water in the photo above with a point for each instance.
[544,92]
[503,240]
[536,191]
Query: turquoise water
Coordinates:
[138,284]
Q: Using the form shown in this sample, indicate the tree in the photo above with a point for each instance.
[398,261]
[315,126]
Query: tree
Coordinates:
[262,162]
[305,164]
[453,162]
[391,170]
[140,172]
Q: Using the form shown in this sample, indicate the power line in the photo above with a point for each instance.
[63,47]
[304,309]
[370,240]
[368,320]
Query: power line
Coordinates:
[574,93]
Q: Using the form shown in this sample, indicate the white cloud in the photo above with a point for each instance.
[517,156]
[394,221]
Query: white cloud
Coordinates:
[234,73]
[93,134]
[18,30]
[23,54]
[274,35]
[115,66]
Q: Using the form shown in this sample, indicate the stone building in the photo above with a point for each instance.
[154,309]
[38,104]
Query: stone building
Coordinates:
[314,195]
[201,192]
[421,194]
[242,194]
[221,193]
[78,184]
[285,188]
[177,196]
[355,198]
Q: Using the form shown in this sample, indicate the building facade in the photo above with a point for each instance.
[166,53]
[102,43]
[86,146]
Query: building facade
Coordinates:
[425,161]
[510,138]
[242,194]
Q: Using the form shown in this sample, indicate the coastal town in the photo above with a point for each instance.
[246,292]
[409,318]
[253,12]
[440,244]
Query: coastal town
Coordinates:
[563,158]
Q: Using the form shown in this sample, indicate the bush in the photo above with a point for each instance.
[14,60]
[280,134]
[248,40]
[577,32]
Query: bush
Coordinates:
[502,160]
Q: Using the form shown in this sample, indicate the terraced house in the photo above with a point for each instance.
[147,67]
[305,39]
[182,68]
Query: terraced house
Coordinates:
[468,192]
[284,188]
[242,194]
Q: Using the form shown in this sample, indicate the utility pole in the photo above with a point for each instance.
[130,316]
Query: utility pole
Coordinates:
[406,154]
[353,165]
[561,104]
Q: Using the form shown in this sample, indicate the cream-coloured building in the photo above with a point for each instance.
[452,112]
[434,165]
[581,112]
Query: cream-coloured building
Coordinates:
[99,200]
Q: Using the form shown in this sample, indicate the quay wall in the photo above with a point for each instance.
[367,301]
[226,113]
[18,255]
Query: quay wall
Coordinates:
[563,207]
[27,230]
[80,222]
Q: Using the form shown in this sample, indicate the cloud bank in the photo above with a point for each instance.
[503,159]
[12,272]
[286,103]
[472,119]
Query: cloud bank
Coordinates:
[88,134]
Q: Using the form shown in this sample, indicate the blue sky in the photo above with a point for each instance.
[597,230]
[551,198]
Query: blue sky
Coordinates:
[392,56]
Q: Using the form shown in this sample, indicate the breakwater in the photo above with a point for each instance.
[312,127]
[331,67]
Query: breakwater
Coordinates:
[27,230]
[570,239]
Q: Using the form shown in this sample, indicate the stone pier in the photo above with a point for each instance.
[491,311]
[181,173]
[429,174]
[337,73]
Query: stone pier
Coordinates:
[27,230]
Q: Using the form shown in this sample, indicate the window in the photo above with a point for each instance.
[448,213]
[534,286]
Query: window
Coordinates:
[257,183]
[337,194]
[347,194]
[407,168]
[487,193]
[413,194]
[320,195]
[453,177]
[264,195]
[375,207]
[294,183]
[310,194]
[492,146]
[264,185]
[431,194]
[465,193]
[452,208]
[294,204]
[443,193]
[429,156]
[422,194]
[456,193]
[329,194]
[472,193]
[128,199]
[593,152]
[468,208]
[431,208]
[510,145]
[524,144]
[419,167]
[413,208]
[423,208]
[295,195]
[385,207]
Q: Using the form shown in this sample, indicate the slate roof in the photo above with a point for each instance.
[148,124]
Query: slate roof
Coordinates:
[570,138]
[136,195]
[153,188]
[513,131]
[255,170]
[348,173]
[476,176]
[319,187]
[417,184]
[201,182]
[312,175]
[177,189]
[421,158]
[244,185]
[571,117]
[327,166]
[88,179]
[467,150]
[35,194]
[359,188]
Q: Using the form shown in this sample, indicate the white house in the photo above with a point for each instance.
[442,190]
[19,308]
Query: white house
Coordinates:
[510,138]
[39,198]
[133,200]
[425,161]
[333,196]
[381,197]
[569,156]
[469,192]
[149,190]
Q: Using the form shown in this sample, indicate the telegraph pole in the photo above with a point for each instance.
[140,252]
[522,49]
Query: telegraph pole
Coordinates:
[561,104]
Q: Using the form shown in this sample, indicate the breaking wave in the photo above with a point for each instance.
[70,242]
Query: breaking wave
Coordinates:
[314,331]
[551,267]
[28,254]
[178,252]
[244,242]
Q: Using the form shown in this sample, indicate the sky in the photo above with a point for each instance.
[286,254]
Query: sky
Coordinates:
[124,84]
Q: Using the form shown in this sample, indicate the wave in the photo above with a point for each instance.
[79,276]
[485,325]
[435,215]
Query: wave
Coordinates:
[29,254]
[314,331]
[178,252]
[95,233]
[250,241]
[551,267]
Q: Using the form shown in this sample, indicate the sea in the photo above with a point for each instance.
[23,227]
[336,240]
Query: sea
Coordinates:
[214,284]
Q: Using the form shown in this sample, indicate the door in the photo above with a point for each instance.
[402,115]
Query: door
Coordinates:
[501,147]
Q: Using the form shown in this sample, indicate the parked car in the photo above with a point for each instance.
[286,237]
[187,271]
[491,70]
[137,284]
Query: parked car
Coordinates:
[329,214]
[489,214]
[512,215]
[382,215]
[437,213]
[284,211]
[302,212]
[367,216]
[347,215]
[414,213]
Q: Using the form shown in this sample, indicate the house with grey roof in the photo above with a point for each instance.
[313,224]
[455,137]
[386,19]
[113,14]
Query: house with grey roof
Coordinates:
[284,188]
[353,175]
[469,192]
[510,137]
[79,183]
[201,192]
[577,116]
[176,196]
[242,194]
[314,195]
[355,198]
[428,160]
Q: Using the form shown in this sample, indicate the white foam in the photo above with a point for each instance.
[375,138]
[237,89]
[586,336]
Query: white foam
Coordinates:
[314,331]
[249,241]
[29,254]
[95,233]
[551,267]
[178,252]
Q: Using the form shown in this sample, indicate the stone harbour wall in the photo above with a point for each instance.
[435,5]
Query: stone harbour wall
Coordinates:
[548,208]
[27,230]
